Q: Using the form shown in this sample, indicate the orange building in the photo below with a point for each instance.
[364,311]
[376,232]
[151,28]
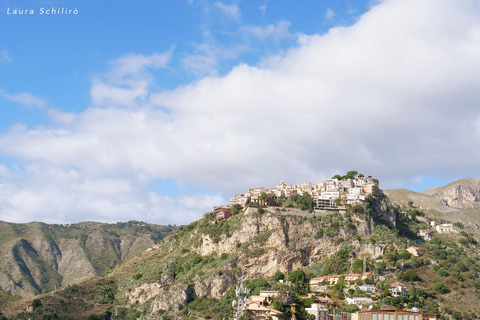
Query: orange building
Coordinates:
[394,315]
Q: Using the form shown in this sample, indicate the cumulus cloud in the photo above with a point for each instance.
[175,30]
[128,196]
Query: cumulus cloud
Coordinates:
[395,95]
[25,99]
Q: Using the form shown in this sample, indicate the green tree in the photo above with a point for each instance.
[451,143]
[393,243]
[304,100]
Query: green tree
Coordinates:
[278,276]
[440,288]
[299,279]
[410,203]
[391,256]
[36,303]
[357,266]
[352,174]
[411,275]
[405,255]
[338,201]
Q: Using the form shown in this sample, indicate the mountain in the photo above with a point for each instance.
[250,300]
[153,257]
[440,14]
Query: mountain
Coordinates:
[463,193]
[458,201]
[38,257]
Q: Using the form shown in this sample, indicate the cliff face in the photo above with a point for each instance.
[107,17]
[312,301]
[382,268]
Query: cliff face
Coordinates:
[38,258]
[464,193]
[253,245]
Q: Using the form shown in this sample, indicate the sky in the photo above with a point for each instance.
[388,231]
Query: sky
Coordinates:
[158,110]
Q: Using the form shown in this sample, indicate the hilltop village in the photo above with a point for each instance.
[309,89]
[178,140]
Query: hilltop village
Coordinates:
[332,193]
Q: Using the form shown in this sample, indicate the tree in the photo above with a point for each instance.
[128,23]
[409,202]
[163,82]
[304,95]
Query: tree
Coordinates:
[411,275]
[410,203]
[357,266]
[278,276]
[299,278]
[352,174]
[36,303]
[337,176]
[391,256]
[440,288]
[263,196]
[405,255]
[260,210]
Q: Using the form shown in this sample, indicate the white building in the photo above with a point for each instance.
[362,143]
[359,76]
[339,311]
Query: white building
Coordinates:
[318,310]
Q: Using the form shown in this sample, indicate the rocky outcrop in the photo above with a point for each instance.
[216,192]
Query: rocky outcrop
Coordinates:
[464,193]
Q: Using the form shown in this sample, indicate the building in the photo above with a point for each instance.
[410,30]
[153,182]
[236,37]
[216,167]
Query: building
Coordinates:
[352,277]
[369,288]
[359,300]
[444,228]
[415,251]
[222,213]
[260,312]
[394,315]
[398,289]
[318,311]
[425,234]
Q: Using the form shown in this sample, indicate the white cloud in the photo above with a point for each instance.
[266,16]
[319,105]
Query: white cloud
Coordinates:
[25,99]
[5,56]
[230,10]
[330,14]
[395,95]
[127,82]
[204,62]
[275,31]
[61,117]
[73,196]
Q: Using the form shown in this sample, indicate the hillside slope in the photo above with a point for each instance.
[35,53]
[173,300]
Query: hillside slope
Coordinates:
[38,257]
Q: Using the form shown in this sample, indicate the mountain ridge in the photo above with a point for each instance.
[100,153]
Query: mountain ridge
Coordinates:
[38,257]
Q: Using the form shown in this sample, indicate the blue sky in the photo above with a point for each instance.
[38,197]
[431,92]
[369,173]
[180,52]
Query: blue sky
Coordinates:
[158,110]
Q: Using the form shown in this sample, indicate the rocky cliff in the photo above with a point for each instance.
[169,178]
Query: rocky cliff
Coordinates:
[38,257]
[458,201]
[464,193]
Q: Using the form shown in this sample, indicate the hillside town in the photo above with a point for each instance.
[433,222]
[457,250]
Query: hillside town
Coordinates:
[331,193]
[259,307]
